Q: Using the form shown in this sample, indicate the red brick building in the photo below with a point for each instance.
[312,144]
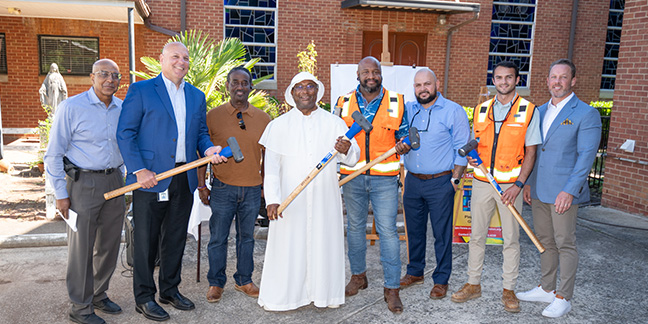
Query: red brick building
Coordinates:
[534,33]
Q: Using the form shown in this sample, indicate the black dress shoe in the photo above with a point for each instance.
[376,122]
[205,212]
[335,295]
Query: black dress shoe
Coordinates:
[152,311]
[178,301]
[86,319]
[107,306]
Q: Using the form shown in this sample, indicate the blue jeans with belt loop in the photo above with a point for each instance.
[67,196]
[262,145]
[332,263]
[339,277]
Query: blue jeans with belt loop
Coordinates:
[431,198]
[382,192]
[227,201]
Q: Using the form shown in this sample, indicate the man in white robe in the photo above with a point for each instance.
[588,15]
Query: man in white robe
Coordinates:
[304,261]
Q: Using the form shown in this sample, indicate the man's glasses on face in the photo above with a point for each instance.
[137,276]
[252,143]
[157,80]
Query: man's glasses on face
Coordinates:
[309,87]
[241,123]
[106,75]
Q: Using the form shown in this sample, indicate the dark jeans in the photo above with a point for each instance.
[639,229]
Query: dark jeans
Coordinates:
[227,201]
[431,198]
[162,224]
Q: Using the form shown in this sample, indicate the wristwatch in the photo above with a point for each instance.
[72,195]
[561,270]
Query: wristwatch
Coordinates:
[455,180]
[519,184]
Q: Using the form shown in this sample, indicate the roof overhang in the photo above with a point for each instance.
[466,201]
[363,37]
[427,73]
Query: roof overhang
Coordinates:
[437,6]
[99,10]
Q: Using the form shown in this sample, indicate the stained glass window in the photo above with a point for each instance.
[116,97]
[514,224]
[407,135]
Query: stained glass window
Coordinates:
[612,41]
[3,54]
[254,22]
[511,37]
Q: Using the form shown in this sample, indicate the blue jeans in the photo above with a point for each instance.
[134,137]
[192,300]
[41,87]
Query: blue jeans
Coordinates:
[431,198]
[382,192]
[227,201]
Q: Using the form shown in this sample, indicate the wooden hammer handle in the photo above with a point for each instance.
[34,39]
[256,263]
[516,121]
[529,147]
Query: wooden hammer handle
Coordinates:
[158,177]
[304,183]
[517,215]
[367,166]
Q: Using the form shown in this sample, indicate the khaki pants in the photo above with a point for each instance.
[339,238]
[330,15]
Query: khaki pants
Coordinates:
[482,207]
[557,233]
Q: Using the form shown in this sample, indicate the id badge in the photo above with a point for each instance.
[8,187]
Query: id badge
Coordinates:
[163,196]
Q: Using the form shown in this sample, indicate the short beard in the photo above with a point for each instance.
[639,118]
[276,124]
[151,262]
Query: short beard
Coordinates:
[428,100]
[371,89]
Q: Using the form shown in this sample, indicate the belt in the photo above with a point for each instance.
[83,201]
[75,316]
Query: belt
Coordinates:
[430,176]
[105,171]
[180,163]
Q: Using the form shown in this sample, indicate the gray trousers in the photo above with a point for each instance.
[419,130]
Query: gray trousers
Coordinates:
[557,233]
[94,248]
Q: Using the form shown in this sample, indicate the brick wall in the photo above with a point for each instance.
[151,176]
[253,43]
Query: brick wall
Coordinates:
[626,183]
[20,99]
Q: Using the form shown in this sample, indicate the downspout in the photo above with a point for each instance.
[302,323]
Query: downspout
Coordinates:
[145,12]
[183,15]
[451,31]
[572,30]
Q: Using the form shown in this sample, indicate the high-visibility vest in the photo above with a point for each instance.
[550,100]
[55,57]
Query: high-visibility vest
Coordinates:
[382,138]
[508,146]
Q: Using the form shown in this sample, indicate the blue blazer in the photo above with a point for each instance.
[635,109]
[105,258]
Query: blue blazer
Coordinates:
[565,157]
[147,131]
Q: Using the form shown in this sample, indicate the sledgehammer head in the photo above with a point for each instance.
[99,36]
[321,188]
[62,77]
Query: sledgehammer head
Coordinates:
[361,123]
[414,139]
[470,149]
[233,150]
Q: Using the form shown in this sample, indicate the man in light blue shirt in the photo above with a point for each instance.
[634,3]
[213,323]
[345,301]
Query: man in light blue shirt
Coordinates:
[433,174]
[83,133]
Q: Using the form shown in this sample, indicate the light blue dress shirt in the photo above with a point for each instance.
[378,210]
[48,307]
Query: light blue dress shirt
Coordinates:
[443,129]
[85,131]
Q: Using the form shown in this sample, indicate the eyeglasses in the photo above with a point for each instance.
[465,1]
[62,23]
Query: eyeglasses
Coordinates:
[241,123]
[106,74]
[428,123]
[309,87]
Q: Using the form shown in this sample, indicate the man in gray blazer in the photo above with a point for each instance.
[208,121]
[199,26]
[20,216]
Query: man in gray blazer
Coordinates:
[571,132]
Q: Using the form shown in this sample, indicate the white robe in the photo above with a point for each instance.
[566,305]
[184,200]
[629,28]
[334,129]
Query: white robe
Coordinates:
[304,260]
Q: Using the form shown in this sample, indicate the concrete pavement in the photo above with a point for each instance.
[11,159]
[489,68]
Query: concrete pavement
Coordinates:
[610,284]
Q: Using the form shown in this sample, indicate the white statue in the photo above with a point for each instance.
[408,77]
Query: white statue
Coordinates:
[53,90]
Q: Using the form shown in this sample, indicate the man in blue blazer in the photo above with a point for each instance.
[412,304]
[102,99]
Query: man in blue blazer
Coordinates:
[162,126]
[571,132]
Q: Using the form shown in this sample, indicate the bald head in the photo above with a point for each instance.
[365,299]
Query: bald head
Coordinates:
[425,87]
[174,61]
[370,76]
[98,65]
[105,79]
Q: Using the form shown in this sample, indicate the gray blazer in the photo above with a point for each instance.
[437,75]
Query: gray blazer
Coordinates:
[565,157]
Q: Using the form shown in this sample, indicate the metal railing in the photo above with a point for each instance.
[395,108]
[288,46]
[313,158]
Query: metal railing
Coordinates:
[597,173]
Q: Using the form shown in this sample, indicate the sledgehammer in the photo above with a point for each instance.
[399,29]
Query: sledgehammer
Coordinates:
[470,150]
[413,140]
[361,123]
[233,150]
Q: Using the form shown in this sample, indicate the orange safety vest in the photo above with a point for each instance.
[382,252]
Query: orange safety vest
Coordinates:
[382,138]
[508,146]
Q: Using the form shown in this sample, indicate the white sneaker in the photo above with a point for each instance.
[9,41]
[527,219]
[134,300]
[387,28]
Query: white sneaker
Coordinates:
[557,308]
[537,294]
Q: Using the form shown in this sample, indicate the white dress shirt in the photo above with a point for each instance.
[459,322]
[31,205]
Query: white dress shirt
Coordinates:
[552,112]
[177,97]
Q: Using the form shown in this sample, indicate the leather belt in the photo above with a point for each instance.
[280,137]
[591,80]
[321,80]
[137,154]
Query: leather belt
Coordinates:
[105,171]
[180,163]
[430,176]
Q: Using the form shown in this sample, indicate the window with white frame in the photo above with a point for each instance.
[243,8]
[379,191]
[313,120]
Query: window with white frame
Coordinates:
[511,37]
[254,22]
[612,41]
[73,55]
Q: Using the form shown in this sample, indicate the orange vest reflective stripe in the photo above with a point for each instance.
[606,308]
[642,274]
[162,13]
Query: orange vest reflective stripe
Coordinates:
[382,138]
[509,150]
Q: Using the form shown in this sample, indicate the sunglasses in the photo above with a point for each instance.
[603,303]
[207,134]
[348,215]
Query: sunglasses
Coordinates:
[241,123]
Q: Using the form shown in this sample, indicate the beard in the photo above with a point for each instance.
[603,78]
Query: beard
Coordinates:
[427,100]
[373,89]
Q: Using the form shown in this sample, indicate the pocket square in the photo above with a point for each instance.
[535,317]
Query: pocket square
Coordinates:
[567,122]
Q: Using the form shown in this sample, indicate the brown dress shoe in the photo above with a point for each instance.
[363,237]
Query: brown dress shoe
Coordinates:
[356,283]
[409,280]
[214,294]
[467,292]
[250,289]
[438,291]
[393,300]
[511,303]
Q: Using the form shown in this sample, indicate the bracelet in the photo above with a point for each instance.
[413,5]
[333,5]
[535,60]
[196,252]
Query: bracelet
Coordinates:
[202,187]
